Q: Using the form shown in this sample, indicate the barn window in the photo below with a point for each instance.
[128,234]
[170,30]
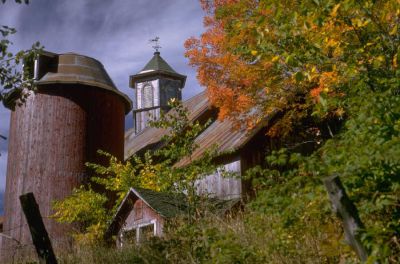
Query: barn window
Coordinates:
[144,233]
[138,234]
[147,96]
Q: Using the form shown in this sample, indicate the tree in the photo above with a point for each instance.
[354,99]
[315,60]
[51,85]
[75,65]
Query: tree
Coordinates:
[16,71]
[329,67]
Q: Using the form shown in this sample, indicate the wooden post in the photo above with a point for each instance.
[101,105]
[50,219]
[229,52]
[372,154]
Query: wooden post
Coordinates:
[347,212]
[38,231]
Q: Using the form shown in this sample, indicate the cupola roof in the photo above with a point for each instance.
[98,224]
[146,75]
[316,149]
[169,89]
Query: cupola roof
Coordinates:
[157,63]
[157,66]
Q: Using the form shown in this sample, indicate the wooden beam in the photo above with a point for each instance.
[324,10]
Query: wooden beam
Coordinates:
[348,213]
[38,231]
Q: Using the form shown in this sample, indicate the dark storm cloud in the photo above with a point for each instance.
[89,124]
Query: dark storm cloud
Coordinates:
[115,32]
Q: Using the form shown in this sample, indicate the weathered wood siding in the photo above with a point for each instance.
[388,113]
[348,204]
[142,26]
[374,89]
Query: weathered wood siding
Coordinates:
[225,183]
[51,138]
[141,215]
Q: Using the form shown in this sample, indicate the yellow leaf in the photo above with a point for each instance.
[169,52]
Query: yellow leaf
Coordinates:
[334,10]
[393,31]
[254,52]
[394,61]
[275,58]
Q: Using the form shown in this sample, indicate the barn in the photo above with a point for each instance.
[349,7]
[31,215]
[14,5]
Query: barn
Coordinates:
[143,212]
[238,149]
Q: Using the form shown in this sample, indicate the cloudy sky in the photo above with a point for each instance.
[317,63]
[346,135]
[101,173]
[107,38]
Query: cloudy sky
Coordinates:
[116,32]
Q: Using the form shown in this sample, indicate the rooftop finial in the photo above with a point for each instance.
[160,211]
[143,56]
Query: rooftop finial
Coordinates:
[156,46]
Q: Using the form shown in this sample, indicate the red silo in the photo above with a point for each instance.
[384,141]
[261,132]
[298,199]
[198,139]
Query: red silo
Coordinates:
[76,111]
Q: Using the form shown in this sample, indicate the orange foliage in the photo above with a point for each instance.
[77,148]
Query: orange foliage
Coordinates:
[258,57]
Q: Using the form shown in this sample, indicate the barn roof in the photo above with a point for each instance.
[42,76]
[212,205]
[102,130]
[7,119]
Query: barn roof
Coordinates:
[220,134]
[166,204]
[197,106]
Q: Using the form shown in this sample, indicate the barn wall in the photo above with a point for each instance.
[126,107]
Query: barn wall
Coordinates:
[221,184]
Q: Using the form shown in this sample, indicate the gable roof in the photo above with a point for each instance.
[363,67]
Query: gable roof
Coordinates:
[166,205]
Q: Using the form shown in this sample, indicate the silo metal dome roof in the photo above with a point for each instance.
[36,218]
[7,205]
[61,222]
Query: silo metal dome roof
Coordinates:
[72,68]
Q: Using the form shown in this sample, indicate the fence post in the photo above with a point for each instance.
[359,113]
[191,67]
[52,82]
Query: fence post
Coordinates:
[38,231]
[347,212]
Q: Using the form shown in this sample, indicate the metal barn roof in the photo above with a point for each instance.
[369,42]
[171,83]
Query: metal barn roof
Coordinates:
[220,134]
[197,106]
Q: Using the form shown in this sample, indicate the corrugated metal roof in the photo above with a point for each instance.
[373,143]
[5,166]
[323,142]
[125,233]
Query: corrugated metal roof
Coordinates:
[197,106]
[220,134]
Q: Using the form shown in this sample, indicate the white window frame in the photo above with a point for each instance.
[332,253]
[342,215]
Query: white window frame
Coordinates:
[137,228]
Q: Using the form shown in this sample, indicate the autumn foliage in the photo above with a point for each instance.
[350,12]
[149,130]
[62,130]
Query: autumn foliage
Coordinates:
[259,57]
[330,69]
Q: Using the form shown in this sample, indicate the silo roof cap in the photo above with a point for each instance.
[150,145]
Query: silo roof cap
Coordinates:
[73,68]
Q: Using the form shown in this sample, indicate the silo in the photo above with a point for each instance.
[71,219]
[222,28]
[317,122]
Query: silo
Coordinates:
[76,111]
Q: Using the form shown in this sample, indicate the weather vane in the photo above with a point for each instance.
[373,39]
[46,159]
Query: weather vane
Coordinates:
[156,44]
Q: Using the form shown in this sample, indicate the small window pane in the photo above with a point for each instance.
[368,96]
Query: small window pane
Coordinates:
[146,232]
[129,237]
[147,96]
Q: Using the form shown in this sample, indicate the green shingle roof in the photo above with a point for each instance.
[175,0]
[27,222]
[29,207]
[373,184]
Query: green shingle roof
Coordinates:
[166,204]
[157,63]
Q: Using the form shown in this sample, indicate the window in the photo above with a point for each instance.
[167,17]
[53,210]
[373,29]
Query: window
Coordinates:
[147,96]
[138,234]
[145,233]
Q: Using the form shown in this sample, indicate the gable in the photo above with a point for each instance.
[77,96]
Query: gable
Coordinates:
[164,205]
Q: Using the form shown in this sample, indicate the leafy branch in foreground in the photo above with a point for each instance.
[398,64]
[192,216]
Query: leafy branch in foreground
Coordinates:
[16,69]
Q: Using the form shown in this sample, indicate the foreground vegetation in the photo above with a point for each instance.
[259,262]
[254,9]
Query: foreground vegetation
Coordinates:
[251,238]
